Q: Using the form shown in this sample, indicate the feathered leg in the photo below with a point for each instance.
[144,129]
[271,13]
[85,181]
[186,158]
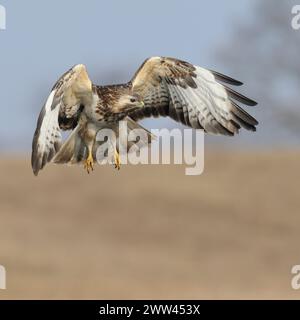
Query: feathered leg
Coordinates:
[89,138]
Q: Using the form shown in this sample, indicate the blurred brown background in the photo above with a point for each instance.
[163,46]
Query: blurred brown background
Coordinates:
[152,232]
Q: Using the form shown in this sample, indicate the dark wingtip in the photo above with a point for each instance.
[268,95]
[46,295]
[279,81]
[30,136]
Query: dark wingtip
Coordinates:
[239,97]
[226,79]
[35,172]
[35,164]
[34,153]
[251,103]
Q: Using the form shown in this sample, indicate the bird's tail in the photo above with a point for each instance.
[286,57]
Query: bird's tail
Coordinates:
[123,144]
[73,149]
[145,136]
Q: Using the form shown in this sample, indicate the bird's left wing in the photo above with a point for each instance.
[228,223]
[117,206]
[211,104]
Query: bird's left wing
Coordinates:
[192,95]
[61,111]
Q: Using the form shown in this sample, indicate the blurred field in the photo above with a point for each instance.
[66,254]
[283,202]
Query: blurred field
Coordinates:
[152,232]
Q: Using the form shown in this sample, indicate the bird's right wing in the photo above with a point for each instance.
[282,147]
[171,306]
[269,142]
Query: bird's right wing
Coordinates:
[61,111]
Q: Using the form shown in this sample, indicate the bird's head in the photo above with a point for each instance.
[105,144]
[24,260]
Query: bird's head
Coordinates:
[130,101]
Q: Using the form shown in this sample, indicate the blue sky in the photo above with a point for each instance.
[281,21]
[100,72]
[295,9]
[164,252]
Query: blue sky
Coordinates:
[112,38]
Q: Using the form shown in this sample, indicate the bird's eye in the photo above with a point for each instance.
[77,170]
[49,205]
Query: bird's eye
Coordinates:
[132,100]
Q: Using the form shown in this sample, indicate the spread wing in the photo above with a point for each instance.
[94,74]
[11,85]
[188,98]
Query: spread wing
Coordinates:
[61,111]
[191,95]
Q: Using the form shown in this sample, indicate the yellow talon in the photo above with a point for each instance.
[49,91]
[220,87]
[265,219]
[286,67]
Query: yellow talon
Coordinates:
[89,163]
[117,160]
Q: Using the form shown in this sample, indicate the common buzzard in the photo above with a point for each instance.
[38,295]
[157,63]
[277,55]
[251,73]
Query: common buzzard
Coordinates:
[197,97]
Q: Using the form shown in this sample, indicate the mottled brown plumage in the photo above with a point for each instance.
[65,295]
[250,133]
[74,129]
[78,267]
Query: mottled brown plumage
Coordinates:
[189,94]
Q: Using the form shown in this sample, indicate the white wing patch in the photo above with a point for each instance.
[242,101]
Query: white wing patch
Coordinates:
[208,106]
[47,137]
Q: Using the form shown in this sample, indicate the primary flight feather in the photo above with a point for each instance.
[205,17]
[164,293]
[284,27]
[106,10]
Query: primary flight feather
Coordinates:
[162,86]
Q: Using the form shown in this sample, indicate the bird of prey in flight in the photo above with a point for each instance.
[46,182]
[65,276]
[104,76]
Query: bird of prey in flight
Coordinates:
[196,97]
